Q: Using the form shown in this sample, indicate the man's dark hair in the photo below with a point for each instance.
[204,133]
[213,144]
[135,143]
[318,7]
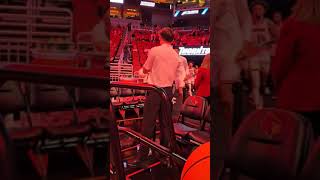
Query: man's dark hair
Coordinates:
[259,2]
[167,34]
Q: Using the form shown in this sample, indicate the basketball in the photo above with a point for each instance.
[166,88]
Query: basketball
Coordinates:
[198,164]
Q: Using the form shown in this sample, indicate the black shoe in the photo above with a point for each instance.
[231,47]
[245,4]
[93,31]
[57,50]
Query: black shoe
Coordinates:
[142,160]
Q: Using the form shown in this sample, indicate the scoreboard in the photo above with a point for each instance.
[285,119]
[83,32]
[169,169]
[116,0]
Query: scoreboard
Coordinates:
[199,3]
[163,1]
[184,2]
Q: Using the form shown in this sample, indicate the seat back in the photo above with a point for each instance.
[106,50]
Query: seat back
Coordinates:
[125,92]
[311,168]
[207,119]
[194,107]
[48,98]
[270,144]
[91,98]
[11,98]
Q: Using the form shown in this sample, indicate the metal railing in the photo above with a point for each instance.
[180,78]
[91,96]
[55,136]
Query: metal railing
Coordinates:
[118,71]
[85,78]
[25,27]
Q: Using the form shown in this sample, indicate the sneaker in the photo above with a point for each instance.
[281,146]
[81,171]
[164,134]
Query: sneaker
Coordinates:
[267,91]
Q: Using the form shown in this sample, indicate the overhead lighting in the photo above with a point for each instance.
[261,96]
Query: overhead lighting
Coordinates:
[176,14]
[148,4]
[205,11]
[190,12]
[117,1]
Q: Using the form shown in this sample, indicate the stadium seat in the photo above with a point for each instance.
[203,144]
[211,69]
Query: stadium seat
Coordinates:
[96,101]
[194,108]
[67,135]
[12,100]
[310,170]
[202,136]
[270,144]
[92,108]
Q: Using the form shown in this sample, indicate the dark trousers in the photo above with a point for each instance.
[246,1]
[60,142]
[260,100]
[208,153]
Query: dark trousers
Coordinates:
[314,118]
[151,112]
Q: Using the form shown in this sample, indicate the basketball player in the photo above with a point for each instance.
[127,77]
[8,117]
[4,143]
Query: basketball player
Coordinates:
[259,64]
[185,65]
[190,78]
[178,98]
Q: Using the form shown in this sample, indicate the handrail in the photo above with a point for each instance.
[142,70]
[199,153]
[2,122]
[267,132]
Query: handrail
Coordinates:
[67,76]
[86,78]
[168,146]
[163,150]
[166,124]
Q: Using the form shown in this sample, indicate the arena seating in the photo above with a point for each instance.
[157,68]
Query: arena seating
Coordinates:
[142,43]
[53,29]
[115,38]
[310,170]
[270,144]
[194,108]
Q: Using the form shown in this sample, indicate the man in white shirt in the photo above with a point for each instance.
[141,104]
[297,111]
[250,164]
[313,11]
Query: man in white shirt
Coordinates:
[163,67]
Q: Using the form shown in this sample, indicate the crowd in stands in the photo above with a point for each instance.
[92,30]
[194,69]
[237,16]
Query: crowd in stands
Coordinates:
[145,39]
[115,38]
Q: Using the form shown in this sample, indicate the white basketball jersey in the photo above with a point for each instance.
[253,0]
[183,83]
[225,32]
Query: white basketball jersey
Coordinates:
[261,33]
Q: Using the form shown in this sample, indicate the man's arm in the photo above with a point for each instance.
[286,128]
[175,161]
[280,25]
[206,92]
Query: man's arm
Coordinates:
[273,30]
[149,62]
[244,17]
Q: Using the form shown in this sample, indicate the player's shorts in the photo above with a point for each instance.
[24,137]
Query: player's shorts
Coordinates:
[259,63]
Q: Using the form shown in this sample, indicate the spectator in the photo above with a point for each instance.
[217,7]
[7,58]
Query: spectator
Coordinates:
[295,69]
[202,81]
[259,63]
[99,32]
[164,67]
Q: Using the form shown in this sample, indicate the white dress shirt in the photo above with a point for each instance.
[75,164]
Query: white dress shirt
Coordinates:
[164,65]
